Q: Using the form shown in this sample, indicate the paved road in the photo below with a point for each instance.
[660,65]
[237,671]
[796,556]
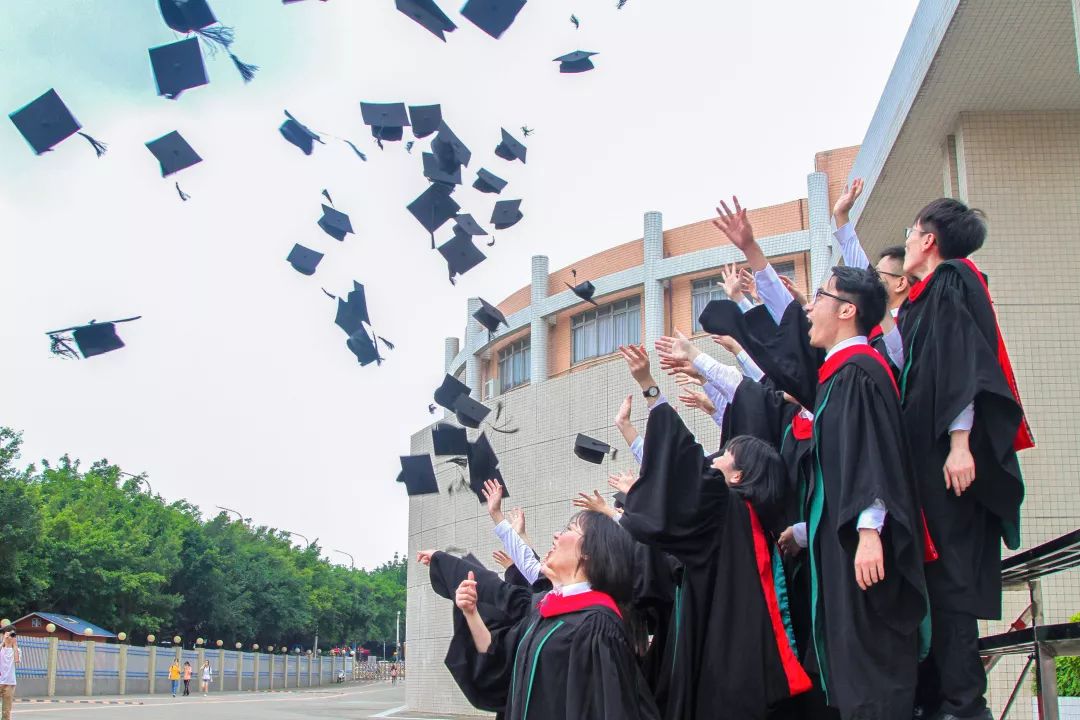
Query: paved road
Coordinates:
[372,700]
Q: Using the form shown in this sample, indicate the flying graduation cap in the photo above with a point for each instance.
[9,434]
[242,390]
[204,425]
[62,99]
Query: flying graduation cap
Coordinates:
[461,255]
[584,290]
[489,316]
[177,67]
[429,15]
[425,119]
[195,16]
[591,449]
[506,214]
[510,149]
[487,182]
[454,396]
[173,154]
[433,171]
[304,260]
[387,120]
[465,224]
[418,474]
[433,207]
[449,439]
[46,122]
[335,223]
[299,134]
[484,466]
[449,149]
[91,339]
[575,62]
[492,16]
[449,391]
[352,312]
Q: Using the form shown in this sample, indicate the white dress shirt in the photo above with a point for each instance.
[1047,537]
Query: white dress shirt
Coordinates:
[772,292]
[746,304]
[850,247]
[573,589]
[519,552]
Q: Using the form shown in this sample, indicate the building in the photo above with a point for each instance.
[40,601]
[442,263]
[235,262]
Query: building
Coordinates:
[983,104]
[68,627]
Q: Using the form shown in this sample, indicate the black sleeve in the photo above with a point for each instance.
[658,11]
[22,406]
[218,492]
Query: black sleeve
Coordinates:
[484,678]
[498,602]
[603,679]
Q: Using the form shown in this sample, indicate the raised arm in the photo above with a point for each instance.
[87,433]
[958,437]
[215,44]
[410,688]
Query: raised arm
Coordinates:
[850,247]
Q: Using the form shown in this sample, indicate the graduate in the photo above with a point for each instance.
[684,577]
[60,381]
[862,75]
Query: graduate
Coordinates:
[965,425]
[572,655]
[865,537]
[731,651]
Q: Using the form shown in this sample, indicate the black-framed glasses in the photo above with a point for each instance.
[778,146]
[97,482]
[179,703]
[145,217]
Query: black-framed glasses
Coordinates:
[821,292]
[894,275]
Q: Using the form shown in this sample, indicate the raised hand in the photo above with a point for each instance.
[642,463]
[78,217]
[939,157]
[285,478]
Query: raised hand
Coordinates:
[792,288]
[594,502]
[622,418]
[424,556]
[683,379]
[465,597]
[493,494]
[637,360]
[735,225]
[516,518]
[503,559]
[623,481]
[846,201]
[676,353]
[748,284]
[732,287]
[697,400]
[728,343]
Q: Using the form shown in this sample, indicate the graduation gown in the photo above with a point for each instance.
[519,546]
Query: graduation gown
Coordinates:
[953,356]
[730,648]
[563,660]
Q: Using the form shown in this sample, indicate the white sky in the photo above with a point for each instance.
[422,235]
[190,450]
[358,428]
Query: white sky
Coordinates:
[236,388]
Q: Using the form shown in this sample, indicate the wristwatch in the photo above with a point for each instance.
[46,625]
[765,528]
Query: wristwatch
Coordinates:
[651,392]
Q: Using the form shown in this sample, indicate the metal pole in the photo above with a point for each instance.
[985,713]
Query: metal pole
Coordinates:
[225,509]
[298,535]
[352,560]
[139,478]
[397,632]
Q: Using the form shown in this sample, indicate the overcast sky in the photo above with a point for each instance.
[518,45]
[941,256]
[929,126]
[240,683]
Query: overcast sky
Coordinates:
[236,388]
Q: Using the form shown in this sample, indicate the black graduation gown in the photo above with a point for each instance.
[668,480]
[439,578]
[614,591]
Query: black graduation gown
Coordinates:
[730,648]
[657,593]
[575,665]
[514,577]
[950,360]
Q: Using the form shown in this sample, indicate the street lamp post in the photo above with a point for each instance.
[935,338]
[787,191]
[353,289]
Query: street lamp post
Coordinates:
[239,517]
[352,561]
[298,535]
[397,639]
[140,479]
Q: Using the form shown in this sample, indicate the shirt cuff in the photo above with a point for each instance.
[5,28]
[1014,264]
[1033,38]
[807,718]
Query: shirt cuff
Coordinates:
[637,448]
[749,368]
[850,247]
[798,530]
[965,420]
[772,292]
[746,305]
[894,346]
[873,517]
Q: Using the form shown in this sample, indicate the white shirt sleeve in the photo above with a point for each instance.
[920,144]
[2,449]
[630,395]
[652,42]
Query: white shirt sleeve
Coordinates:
[873,517]
[750,368]
[772,292]
[798,530]
[719,402]
[850,247]
[746,304]
[724,378]
[519,552]
[894,345]
[965,420]
[637,448]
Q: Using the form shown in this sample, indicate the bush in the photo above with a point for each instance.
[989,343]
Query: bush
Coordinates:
[1068,672]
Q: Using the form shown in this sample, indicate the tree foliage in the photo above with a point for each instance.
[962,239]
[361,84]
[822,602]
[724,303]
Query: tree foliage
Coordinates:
[92,544]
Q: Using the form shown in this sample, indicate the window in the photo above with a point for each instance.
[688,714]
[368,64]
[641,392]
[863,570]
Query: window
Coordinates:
[35,622]
[601,331]
[709,289]
[514,365]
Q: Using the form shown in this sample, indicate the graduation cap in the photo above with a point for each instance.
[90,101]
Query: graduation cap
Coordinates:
[487,182]
[178,67]
[467,225]
[335,223]
[387,120]
[461,255]
[352,312]
[449,439]
[469,412]
[489,316]
[418,474]
[195,16]
[428,14]
[434,171]
[425,119]
[484,466]
[584,290]
[510,149]
[506,214]
[449,391]
[575,62]
[298,134]
[46,121]
[590,449]
[449,149]
[173,153]
[433,207]
[304,260]
[492,16]
[92,339]
[363,347]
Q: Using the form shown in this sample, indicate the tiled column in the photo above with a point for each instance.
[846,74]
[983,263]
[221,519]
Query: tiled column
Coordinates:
[538,328]
[822,256]
[654,288]
[474,337]
[451,347]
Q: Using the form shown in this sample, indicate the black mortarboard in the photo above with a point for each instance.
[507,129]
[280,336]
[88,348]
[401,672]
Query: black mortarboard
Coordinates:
[186,15]
[434,171]
[575,62]
[590,449]
[304,260]
[178,67]
[298,134]
[173,152]
[45,121]
[352,311]
[434,207]
[97,339]
[428,14]
[469,412]
[449,148]
[486,182]
[510,148]
[466,224]
[449,439]
[425,119]
[418,474]
[483,466]
[387,120]
[363,347]
[492,16]
[335,223]
[489,316]
[449,391]
[506,214]
[583,290]
[461,254]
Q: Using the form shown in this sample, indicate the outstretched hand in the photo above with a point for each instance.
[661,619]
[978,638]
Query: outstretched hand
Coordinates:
[503,559]
[493,493]
[732,282]
[728,343]
[692,399]
[622,418]
[594,502]
[516,518]
[735,224]
[676,353]
[424,556]
[637,360]
[465,598]
[683,379]
[846,201]
[799,295]
[622,482]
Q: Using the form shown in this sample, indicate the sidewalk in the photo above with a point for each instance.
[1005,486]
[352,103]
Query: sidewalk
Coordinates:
[160,698]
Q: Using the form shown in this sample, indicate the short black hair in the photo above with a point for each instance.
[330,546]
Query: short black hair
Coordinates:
[866,293]
[764,477]
[893,252]
[959,230]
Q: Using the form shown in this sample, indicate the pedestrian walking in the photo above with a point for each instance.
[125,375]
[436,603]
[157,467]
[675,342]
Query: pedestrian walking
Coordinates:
[174,676]
[9,658]
[187,678]
[393,674]
[207,676]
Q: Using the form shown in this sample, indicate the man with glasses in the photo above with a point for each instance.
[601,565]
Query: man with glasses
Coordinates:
[965,424]
[864,532]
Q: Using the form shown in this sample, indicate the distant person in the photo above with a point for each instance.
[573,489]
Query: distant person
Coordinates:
[207,676]
[187,679]
[174,676]
[9,658]
[393,674]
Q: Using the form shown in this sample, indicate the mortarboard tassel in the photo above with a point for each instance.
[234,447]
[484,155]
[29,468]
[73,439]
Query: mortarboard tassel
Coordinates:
[356,150]
[389,345]
[247,70]
[378,141]
[183,195]
[614,453]
[99,147]
[326,194]
[328,294]
[219,36]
